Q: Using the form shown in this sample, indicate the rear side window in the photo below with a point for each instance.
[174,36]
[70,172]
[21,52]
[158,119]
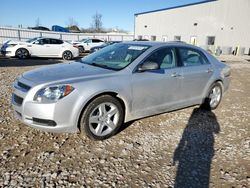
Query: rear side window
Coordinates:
[191,57]
[55,41]
[96,40]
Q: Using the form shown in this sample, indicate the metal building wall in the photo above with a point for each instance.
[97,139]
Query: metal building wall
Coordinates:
[227,20]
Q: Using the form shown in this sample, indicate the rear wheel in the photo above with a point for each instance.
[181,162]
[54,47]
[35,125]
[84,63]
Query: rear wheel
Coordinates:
[22,53]
[102,118]
[214,97]
[67,55]
[81,49]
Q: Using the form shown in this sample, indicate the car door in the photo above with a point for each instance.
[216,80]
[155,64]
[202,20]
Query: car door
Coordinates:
[40,47]
[196,73]
[88,44]
[156,91]
[55,48]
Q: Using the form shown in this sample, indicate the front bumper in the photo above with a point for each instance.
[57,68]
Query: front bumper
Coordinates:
[54,117]
[7,52]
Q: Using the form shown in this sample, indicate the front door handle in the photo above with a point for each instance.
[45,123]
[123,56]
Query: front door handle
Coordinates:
[209,70]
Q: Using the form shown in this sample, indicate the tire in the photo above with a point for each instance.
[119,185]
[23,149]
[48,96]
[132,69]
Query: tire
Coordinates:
[81,49]
[67,55]
[22,53]
[213,98]
[102,118]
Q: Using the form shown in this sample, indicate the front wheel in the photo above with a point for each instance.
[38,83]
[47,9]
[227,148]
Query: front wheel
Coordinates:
[67,55]
[102,118]
[214,97]
[22,53]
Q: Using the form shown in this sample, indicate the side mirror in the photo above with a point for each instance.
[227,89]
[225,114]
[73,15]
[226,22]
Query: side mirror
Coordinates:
[149,65]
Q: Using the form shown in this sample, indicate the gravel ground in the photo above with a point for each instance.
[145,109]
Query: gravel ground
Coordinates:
[186,148]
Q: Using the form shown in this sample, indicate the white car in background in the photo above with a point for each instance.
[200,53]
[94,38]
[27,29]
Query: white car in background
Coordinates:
[40,47]
[86,44]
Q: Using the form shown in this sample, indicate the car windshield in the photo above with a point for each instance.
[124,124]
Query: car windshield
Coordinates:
[83,40]
[115,57]
[32,40]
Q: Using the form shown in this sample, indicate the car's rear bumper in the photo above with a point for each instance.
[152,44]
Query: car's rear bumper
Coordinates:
[226,83]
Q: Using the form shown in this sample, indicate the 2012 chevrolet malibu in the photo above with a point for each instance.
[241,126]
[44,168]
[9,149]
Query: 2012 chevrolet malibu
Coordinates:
[117,84]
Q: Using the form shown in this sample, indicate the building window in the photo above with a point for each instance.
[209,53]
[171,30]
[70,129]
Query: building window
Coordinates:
[193,40]
[153,38]
[211,40]
[165,38]
[139,37]
[177,38]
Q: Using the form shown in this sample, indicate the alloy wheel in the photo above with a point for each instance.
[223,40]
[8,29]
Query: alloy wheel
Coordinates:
[22,53]
[67,55]
[104,119]
[215,96]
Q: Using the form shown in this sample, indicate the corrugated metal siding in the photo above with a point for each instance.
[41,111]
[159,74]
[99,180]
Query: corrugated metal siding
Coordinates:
[24,34]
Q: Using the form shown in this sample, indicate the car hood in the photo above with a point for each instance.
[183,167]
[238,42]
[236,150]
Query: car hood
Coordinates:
[64,72]
[15,42]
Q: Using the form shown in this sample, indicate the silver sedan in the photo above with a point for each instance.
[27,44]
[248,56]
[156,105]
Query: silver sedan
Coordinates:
[117,84]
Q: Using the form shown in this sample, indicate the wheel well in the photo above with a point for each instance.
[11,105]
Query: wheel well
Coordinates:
[221,83]
[66,51]
[113,94]
[216,81]
[22,48]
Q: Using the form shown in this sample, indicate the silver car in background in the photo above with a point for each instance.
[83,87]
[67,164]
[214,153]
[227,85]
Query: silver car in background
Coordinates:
[117,84]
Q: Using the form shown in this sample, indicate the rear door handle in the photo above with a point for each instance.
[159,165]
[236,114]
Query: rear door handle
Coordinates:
[175,74]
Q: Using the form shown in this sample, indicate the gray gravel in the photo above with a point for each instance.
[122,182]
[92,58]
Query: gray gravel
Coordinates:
[186,148]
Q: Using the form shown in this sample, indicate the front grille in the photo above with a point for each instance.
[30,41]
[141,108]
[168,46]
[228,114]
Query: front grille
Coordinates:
[18,100]
[23,86]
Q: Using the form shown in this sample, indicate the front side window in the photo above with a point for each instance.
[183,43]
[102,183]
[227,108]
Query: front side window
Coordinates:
[190,57]
[116,56]
[88,41]
[44,41]
[164,57]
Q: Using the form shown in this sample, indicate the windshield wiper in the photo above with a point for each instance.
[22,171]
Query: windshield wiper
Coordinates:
[103,66]
[99,65]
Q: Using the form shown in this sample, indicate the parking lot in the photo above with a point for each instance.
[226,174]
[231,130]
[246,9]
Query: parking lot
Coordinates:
[186,148]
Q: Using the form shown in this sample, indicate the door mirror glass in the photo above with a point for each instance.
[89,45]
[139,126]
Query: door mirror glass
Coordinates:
[149,65]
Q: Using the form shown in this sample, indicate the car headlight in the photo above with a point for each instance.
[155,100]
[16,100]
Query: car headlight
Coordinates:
[11,45]
[53,93]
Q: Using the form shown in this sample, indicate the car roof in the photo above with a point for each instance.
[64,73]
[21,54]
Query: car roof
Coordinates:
[159,44]
[47,38]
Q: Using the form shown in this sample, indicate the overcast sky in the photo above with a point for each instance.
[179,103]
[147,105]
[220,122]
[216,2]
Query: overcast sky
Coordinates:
[115,13]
